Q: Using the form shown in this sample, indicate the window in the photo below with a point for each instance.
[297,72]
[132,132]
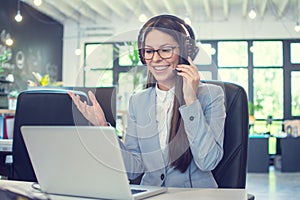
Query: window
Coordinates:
[267,53]
[295,93]
[128,83]
[99,78]
[295,52]
[268,92]
[98,65]
[233,54]
[236,75]
[232,62]
[99,56]
[127,50]
[123,56]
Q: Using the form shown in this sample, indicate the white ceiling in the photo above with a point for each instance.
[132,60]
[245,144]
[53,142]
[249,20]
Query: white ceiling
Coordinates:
[210,18]
[120,11]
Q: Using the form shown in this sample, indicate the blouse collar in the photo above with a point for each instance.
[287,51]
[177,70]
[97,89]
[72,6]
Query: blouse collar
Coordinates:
[162,95]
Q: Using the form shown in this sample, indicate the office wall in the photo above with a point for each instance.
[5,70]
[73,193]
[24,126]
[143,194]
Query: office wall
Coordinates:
[37,43]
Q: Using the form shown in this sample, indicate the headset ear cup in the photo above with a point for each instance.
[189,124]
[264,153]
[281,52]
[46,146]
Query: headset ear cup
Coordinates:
[192,48]
[195,52]
[142,56]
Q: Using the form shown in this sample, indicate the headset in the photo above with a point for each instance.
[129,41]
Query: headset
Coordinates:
[191,49]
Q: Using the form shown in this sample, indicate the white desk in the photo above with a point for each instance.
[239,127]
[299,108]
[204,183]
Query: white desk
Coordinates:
[172,193]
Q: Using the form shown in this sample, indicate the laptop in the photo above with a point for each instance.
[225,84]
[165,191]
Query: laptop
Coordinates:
[82,161]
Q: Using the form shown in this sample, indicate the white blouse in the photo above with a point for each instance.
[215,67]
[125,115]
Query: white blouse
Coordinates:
[164,111]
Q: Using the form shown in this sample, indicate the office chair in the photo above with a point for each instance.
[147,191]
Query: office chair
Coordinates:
[107,98]
[232,169]
[40,107]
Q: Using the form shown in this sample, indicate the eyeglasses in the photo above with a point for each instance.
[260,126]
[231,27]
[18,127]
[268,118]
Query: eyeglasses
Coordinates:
[164,53]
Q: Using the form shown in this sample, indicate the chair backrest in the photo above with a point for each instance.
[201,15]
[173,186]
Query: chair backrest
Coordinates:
[107,98]
[231,171]
[40,107]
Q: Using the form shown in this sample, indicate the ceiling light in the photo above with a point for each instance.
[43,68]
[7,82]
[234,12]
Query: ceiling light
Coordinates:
[37,2]
[212,51]
[252,14]
[187,21]
[297,27]
[252,49]
[18,16]
[8,40]
[77,52]
[143,18]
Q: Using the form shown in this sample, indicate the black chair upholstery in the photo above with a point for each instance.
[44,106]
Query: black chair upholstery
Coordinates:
[40,107]
[231,171]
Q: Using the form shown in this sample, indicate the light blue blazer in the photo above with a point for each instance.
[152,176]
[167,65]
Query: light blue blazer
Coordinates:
[204,125]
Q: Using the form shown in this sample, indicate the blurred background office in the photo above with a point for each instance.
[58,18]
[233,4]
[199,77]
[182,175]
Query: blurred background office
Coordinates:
[91,43]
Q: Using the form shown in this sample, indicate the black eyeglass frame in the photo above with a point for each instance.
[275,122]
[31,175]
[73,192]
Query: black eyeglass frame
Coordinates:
[158,50]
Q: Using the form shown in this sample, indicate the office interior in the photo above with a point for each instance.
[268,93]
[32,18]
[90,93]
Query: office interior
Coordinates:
[255,44]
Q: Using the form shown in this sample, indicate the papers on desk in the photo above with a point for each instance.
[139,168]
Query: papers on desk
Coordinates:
[6,142]
[6,145]
[19,191]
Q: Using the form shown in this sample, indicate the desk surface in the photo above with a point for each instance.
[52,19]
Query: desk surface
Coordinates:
[172,193]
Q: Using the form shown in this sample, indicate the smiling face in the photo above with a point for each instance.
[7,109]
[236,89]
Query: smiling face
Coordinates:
[162,69]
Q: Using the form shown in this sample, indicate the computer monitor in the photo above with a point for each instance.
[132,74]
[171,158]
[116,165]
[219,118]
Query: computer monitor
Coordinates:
[107,98]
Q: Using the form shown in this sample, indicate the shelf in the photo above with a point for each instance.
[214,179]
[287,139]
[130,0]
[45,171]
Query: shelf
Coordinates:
[5,81]
[6,111]
[3,93]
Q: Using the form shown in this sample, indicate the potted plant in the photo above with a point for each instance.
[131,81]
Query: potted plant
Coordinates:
[251,113]
[252,108]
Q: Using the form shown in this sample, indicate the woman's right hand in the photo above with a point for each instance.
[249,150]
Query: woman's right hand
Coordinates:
[93,113]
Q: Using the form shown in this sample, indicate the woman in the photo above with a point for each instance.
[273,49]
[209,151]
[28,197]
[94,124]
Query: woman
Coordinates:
[175,133]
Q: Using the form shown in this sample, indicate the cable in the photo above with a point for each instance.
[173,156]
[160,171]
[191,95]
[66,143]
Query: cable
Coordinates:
[190,177]
[37,188]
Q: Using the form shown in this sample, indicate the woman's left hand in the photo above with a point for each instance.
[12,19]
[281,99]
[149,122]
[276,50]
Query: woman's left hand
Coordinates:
[191,80]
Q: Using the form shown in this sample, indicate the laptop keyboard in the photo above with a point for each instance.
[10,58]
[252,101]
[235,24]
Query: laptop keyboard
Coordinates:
[135,191]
